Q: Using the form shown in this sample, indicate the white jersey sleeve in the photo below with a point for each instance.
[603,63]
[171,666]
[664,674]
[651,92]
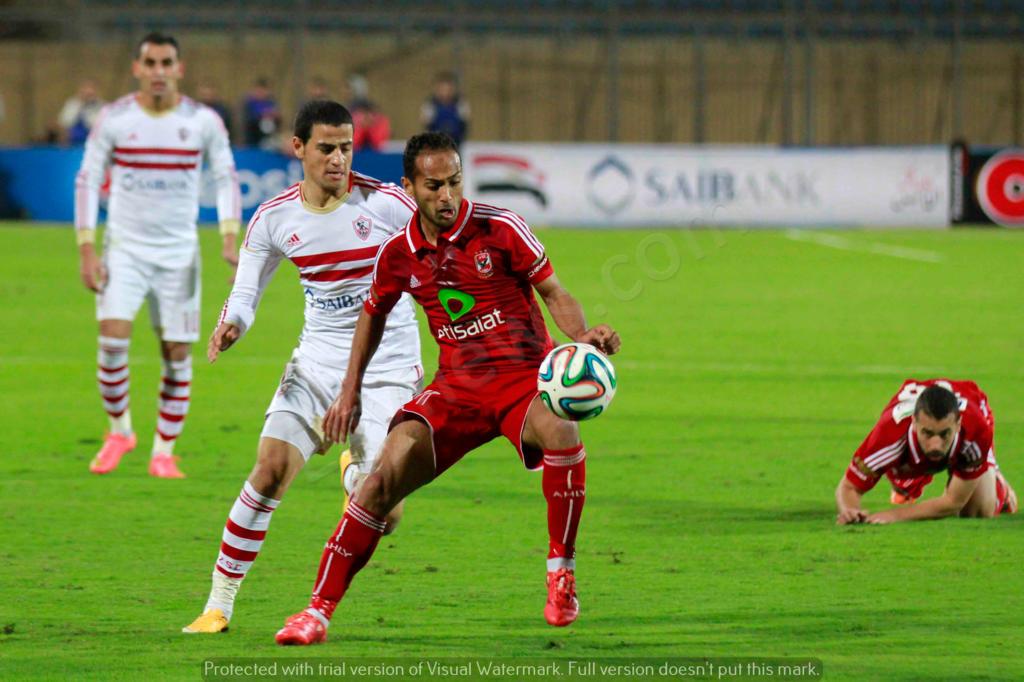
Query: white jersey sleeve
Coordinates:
[90,176]
[218,156]
[257,261]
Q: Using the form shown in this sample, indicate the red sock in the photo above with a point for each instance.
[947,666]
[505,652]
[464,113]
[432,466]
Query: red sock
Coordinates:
[565,483]
[345,554]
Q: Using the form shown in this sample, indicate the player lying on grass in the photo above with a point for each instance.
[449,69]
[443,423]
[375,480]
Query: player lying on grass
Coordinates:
[929,427]
[154,142]
[473,268]
[330,226]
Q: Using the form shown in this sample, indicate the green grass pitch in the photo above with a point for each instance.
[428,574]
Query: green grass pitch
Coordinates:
[753,364]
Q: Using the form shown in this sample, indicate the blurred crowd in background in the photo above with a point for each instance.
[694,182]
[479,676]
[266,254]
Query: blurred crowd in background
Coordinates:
[256,120]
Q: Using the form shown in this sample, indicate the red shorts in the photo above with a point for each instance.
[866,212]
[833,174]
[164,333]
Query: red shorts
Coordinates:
[465,410]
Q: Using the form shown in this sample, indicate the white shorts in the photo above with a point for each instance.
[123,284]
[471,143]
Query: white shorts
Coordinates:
[307,389]
[173,294]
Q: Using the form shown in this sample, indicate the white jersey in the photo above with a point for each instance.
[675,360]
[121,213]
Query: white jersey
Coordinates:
[155,162]
[334,249]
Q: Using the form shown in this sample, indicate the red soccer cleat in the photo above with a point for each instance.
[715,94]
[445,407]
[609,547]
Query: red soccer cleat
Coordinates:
[115,446]
[563,607]
[302,629]
[1006,497]
[165,466]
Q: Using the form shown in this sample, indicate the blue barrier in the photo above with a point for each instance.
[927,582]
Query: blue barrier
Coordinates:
[41,180]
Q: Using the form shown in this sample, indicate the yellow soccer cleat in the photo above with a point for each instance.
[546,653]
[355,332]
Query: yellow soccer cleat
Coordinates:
[211,621]
[344,463]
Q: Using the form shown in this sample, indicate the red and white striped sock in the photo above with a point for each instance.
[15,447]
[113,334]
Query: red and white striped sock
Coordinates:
[112,376]
[241,541]
[565,488]
[175,390]
[345,554]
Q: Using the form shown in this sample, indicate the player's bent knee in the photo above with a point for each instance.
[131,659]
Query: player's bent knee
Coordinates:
[276,464]
[373,495]
[546,431]
[176,350]
[117,329]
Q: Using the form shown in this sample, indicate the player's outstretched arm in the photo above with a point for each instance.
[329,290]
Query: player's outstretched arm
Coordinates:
[342,416]
[949,503]
[568,315]
[223,337]
[848,504]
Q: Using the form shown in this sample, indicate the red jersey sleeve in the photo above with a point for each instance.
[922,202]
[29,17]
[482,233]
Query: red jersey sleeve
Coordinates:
[388,282]
[972,459]
[526,254]
[879,451]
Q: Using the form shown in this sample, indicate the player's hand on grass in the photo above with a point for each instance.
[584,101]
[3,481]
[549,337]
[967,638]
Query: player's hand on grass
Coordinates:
[848,516]
[94,275]
[879,518]
[602,337]
[223,337]
[342,416]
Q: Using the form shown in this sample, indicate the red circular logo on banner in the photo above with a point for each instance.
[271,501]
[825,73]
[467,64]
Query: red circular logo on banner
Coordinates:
[1000,188]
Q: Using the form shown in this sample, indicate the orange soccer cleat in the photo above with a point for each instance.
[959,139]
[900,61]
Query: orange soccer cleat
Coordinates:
[165,466]
[115,446]
[563,607]
[899,497]
[302,629]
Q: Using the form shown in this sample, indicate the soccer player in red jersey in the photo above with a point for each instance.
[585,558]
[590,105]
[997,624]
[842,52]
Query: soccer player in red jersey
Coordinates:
[928,427]
[474,269]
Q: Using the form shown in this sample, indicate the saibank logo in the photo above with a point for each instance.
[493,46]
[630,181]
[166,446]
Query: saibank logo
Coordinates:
[458,304]
[611,185]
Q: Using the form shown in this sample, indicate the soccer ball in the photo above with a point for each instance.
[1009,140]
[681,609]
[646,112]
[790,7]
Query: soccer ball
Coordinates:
[576,381]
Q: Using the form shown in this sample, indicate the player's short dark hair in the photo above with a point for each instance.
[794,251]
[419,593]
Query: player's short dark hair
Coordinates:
[417,144]
[316,111]
[157,38]
[938,402]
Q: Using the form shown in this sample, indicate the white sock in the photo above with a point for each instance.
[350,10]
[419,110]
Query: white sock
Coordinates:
[222,594]
[112,376]
[175,393]
[161,446]
[353,477]
[241,541]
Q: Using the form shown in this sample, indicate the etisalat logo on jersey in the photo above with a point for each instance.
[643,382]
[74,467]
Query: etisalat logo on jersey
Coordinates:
[458,304]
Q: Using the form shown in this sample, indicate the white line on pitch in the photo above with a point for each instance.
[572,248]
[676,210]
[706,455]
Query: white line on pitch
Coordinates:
[834,241]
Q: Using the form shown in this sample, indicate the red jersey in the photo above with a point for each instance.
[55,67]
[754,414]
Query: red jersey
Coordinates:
[892,448]
[476,287]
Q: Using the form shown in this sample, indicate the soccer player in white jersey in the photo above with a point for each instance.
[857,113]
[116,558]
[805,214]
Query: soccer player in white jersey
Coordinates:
[330,226]
[154,142]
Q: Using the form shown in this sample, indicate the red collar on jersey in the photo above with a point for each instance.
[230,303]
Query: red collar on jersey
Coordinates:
[461,227]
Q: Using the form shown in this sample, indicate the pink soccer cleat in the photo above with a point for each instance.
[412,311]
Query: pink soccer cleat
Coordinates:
[165,466]
[115,446]
[563,607]
[302,629]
